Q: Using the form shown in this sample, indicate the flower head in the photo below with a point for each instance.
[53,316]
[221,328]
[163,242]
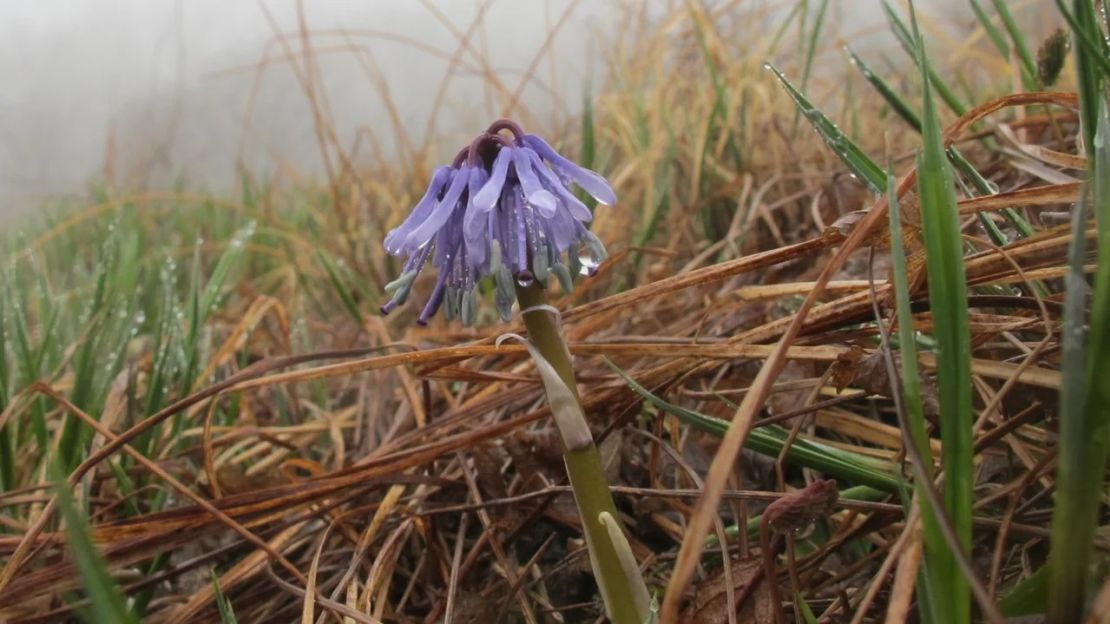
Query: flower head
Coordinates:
[505,209]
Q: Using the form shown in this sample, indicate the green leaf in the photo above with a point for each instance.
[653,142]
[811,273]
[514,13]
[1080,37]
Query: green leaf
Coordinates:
[910,45]
[803,607]
[1029,597]
[992,31]
[1084,395]
[1025,56]
[227,614]
[720,99]
[895,101]
[588,153]
[1091,53]
[108,604]
[770,441]
[341,289]
[948,304]
[856,160]
[981,184]
[811,48]
[938,559]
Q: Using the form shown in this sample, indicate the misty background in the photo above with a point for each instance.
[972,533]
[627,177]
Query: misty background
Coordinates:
[146,93]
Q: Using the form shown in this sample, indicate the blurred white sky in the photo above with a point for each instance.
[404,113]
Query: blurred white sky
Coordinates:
[153,75]
[150,77]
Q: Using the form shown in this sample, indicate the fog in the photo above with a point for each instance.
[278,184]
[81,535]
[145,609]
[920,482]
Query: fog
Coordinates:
[142,93]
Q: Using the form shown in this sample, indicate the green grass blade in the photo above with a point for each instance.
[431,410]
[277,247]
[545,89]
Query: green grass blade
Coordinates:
[126,487]
[1091,50]
[1027,598]
[770,441]
[341,289]
[938,558]
[108,604]
[231,257]
[909,44]
[1025,56]
[29,361]
[803,607]
[227,613]
[88,358]
[981,184]
[787,20]
[948,303]
[855,493]
[810,52]
[660,205]
[720,101]
[992,31]
[203,300]
[7,435]
[1090,58]
[156,389]
[1073,526]
[1084,397]
[587,155]
[857,161]
[895,101]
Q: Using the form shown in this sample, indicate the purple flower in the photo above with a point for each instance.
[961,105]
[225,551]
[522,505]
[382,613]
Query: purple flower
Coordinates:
[504,209]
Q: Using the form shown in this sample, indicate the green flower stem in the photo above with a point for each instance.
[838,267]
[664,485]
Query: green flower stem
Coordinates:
[620,590]
[544,332]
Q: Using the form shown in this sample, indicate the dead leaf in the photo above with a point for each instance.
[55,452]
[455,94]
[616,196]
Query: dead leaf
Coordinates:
[872,377]
[844,369]
[710,604]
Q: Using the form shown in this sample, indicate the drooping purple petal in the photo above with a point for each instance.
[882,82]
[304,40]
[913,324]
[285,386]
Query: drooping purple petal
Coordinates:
[486,198]
[510,214]
[552,182]
[562,230]
[518,235]
[505,226]
[474,224]
[394,241]
[477,243]
[475,220]
[447,241]
[434,301]
[590,181]
[443,210]
[534,192]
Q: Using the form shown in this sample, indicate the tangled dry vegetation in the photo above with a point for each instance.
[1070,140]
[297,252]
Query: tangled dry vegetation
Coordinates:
[397,473]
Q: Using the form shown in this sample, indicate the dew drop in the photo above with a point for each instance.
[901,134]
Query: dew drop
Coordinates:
[804,531]
[587,262]
[525,279]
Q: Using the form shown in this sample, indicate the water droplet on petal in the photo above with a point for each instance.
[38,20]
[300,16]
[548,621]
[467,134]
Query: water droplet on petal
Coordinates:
[525,279]
[587,262]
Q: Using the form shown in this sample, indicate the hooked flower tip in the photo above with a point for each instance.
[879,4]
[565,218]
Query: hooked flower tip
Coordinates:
[505,208]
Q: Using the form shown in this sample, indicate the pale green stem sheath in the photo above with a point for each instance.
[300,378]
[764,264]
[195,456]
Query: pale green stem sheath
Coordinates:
[626,596]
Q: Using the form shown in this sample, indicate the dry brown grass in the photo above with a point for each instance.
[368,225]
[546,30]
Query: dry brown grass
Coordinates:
[419,479]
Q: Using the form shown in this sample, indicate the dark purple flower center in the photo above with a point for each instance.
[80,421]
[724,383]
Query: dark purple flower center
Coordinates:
[503,210]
